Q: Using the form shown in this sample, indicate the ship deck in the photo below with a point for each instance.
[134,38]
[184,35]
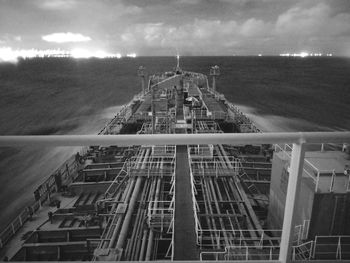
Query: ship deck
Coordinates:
[157,202]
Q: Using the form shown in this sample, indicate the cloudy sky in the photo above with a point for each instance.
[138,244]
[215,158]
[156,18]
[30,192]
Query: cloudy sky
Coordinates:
[193,27]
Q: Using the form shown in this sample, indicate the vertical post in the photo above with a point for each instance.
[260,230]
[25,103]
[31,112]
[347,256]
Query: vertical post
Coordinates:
[332,181]
[214,71]
[48,192]
[141,72]
[214,84]
[322,147]
[153,111]
[143,85]
[311,249]
[295,174]
[67,169]
[317,181]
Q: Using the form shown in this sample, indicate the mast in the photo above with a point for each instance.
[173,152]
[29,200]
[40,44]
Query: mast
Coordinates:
[178,69]
[142,73]
[214,71]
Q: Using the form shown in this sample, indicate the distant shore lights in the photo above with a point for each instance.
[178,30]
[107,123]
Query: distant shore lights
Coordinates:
[305,54]
[84,53]
[131,55]
[7,54]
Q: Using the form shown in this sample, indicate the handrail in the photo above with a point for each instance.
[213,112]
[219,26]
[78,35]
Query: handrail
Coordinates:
[121,114]
[175,139]
[48,186]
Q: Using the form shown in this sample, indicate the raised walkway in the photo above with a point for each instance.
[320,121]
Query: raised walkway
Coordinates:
[185,247]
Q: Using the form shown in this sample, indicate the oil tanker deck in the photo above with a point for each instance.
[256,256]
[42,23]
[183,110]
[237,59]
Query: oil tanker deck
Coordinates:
[173,202]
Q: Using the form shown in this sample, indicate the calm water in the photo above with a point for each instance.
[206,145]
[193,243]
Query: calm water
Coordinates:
[65,96]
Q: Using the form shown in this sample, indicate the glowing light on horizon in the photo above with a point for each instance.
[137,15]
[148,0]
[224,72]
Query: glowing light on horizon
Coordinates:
[85,53]
[7,54]
[305,54]
[80,53]
[131,55]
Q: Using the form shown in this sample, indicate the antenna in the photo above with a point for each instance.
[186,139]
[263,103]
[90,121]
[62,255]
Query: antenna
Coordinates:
[178,61]
[141,72]
[214,71]
[178,69]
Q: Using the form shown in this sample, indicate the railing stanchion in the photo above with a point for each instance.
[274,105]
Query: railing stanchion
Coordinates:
[295,174]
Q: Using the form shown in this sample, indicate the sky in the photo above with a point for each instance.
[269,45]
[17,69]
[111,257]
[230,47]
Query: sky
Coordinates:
[189,27]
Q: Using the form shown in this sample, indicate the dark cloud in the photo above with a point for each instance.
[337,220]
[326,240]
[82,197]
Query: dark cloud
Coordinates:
[157,27]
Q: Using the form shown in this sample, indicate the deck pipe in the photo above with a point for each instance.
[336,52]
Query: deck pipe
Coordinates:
[145,197]
[125,198]
[143,245]
[151,235]
[139,235]
[129,252]
[206,207]
[112,230]
[224,183]
[119,220]
[242,209]
[255,223]
[218,210]
[134,250]
[136,228]
[150,197]
[208,194]
[132,203]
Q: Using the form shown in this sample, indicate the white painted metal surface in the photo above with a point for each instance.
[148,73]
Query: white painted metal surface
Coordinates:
[295,173]
[175,139]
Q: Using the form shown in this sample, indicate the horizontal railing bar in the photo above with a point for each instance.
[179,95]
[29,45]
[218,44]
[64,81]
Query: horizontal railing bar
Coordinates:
[175,139]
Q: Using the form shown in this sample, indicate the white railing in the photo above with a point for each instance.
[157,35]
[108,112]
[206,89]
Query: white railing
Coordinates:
[175,139]
[334,247]
[245,123]
[200,151]
[295,172]
[122,116]
[303,251]
[238,237]
[200,167]
[67,171]
[174,205]
[242,254]
[160,214]
[163,150]
[309,169]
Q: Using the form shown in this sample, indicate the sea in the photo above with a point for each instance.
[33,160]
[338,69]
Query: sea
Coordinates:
[45,96]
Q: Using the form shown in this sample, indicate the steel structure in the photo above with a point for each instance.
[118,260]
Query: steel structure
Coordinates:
[183,187]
